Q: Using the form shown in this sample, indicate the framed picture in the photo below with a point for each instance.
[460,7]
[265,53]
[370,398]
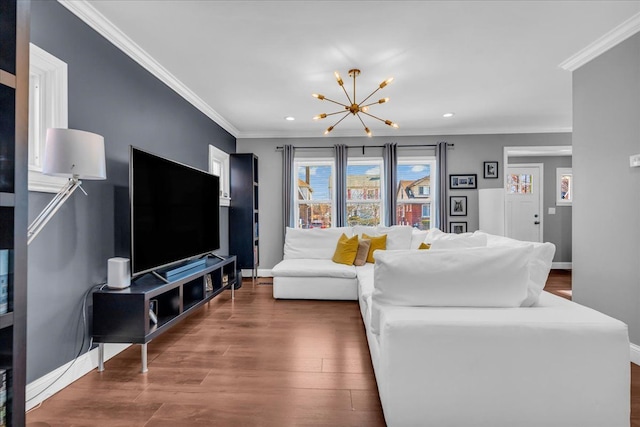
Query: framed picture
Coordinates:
[458,205]
[491,170]
[458,227]
[458,182]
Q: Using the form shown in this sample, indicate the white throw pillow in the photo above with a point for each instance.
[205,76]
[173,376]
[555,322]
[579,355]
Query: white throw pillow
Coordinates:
[398,236]
[417,237]
[313,243]
[540,262]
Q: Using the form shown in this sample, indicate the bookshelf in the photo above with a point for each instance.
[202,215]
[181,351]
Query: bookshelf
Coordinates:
[14,116]
[243,215]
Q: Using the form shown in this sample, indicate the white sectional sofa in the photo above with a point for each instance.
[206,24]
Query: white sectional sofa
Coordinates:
[463,334]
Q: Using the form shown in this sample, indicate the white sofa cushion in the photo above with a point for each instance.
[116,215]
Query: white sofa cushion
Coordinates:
[398,236]
[540,262]
[458,241]
[502,365]
[473,277]
[313,243]
[313,268]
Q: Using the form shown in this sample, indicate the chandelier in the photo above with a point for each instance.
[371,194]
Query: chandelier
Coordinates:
[354,107]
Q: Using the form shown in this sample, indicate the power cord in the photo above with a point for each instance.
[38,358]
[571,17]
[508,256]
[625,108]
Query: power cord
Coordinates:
[84,334]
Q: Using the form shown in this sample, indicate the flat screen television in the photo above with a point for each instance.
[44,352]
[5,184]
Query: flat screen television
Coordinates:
[175,212]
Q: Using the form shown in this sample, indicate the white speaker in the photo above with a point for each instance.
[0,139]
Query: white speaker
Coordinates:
[118,273]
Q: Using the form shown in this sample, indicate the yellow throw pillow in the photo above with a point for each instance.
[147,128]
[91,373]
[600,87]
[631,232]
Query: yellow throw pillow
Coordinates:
[424,245]
[346,250]
[377,242]
[363,251]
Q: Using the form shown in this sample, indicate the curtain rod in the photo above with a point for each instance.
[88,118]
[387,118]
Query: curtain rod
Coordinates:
[279,148]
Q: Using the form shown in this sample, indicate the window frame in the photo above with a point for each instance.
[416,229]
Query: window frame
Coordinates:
[314,161]
[433,183]
[560,172]
[375,161]
[48,108]
[217,157]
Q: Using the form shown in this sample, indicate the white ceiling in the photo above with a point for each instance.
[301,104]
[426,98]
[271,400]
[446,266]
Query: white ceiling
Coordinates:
[248,64]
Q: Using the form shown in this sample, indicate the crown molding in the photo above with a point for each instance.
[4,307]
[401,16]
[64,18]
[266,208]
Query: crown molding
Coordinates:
[401,132]
[620,33]
[87,13]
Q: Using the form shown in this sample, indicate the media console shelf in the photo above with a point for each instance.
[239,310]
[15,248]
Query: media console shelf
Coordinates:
[123,315]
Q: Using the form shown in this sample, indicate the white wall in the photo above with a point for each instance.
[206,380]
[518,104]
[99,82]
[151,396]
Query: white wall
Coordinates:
[606,208]
[467,156]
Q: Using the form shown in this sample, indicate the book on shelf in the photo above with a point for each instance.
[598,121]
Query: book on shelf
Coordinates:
[4,281]
[3,398]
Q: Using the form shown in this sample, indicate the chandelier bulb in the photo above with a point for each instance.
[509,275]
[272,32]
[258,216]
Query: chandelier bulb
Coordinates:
[366,129]
[390,123]
[317,95]
[329,129]
[364,109]
[338,78]
[386,82]
[320,116]
[383,100]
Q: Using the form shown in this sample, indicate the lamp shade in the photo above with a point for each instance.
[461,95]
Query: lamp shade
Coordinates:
[74,153]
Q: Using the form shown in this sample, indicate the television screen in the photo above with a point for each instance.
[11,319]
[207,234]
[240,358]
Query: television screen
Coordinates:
[175,212]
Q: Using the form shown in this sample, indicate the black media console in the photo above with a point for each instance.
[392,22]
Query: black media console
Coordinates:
[127,315]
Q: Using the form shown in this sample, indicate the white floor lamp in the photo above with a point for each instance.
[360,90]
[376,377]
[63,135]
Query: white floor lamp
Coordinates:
[71,153]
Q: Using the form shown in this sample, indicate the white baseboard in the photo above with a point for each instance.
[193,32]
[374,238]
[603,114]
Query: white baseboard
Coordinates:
[261,272]
[82,366]
[635,354]
[561,265]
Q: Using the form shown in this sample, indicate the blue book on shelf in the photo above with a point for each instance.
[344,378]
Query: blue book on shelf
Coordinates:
[3,397]
[4,281]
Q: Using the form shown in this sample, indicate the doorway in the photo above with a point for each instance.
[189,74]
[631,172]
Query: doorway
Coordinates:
[555,217]
[523,202]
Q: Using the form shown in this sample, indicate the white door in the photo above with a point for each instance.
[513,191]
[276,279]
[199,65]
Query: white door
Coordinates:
[523,202]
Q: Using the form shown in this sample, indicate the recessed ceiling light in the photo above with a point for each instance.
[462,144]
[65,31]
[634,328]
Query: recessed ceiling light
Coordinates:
[289,118]
[448,115]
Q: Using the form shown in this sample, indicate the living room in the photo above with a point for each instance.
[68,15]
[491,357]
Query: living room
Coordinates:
[113,95]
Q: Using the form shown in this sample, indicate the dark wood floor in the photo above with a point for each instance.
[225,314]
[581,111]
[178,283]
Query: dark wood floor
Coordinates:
[249,362]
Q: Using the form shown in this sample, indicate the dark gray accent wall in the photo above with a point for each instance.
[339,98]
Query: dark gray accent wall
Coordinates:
[109,94]
[467,156]
[606,207]
[557,227]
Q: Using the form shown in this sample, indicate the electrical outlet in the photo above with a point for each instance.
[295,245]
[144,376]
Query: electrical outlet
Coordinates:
[634,161]
[552,211]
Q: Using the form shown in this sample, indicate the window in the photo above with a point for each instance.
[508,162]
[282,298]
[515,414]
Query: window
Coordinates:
[47,109]
[313,190]
[519,184]
[219,166]
[415,184]
[564,187]
[364,192]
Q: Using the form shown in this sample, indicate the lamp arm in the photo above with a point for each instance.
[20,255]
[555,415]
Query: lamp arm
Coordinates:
[370,95]
[336,102]
[52,207]
[371,115]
